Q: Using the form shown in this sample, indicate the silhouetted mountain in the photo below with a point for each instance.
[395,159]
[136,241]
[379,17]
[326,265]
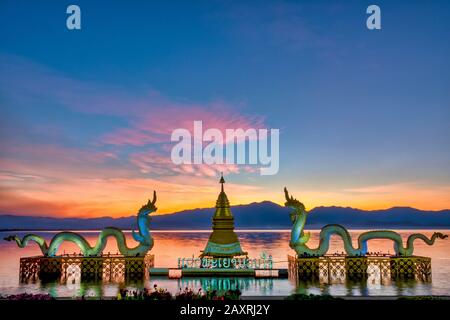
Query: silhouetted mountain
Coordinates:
[396,217]
[262,215]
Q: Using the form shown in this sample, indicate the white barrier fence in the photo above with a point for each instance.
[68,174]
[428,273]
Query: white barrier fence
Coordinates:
[225,263]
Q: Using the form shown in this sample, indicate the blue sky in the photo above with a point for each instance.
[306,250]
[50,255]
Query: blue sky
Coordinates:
[363,114]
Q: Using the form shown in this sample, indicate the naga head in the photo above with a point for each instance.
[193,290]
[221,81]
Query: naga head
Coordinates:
[149,207]
[298,218]
[143,220]
[296,205]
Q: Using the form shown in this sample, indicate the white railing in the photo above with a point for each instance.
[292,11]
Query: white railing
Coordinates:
[225,263]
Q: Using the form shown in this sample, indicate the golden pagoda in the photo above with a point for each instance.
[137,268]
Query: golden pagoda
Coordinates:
[223,241]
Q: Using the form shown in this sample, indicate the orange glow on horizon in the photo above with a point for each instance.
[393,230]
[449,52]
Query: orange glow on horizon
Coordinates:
[72,194]
[127,204]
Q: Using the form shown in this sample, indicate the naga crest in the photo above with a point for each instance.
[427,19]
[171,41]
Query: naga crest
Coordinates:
[295,204]
[149,207]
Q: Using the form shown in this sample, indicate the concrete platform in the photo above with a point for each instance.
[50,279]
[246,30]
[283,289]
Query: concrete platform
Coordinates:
[207,272]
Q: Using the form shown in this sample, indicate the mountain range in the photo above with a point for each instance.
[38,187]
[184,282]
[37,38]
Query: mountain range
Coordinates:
[261,215]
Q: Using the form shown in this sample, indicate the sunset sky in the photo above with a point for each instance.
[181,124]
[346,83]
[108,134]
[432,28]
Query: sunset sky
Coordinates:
[86,115]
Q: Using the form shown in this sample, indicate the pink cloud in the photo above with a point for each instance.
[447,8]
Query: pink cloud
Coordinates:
[157,127]
[151,117]
[104,176]
[152,162]
[130,136]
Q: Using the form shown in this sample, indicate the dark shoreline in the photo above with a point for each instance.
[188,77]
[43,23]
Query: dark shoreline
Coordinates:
[348,298]
[237,230]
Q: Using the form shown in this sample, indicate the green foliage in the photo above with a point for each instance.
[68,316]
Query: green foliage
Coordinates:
[302,296]
[189,294]
[186,294]
[28,296]
[146,294]
[420,298]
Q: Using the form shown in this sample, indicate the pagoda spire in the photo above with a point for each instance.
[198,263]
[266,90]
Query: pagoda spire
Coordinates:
[222,181]
[223,241]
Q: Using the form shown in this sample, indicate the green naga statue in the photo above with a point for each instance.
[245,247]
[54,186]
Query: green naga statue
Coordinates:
[299,237]
[143,236]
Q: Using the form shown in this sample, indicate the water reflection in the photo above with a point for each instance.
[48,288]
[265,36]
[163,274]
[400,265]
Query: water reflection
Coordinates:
[224,284]
[171,245]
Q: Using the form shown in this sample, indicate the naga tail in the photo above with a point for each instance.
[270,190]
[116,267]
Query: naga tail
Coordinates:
[22,243]
[438,235]
[14,238]
[433,238]
[429,241]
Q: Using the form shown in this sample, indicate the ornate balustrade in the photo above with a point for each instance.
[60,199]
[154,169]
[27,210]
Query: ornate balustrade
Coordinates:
[114,268]
[335,269]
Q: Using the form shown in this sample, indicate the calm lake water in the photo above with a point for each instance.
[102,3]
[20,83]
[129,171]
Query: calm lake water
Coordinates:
[169,245]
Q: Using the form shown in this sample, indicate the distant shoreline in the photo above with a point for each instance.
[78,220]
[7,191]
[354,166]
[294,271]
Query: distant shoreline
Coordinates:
[237,230]
[264,215]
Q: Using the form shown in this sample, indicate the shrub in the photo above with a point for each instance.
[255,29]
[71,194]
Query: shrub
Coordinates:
[301,296]
[29,296]
[420,298]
